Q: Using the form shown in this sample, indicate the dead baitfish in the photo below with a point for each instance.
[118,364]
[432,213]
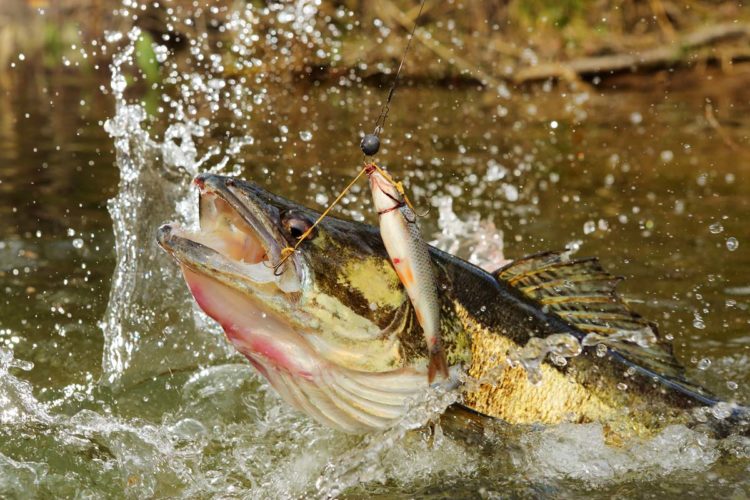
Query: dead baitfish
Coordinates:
[335,333]
[410,256]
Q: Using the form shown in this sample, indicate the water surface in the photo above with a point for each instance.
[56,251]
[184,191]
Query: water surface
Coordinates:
[143,396]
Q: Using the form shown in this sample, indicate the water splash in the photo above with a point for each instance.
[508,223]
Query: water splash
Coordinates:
[581,452]
[558,346]
[473,238]
[17,402]
[141,316]
[364,463]
[643,337]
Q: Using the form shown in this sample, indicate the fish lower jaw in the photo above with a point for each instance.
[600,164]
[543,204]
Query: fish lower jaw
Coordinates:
[352,401]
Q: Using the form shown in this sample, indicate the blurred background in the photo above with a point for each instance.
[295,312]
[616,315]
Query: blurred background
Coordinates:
[505,40]
[619,128]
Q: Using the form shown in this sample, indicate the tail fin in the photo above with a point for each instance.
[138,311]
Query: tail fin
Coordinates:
[438,364]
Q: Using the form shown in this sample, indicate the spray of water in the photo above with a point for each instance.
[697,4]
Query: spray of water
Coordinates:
[145,308]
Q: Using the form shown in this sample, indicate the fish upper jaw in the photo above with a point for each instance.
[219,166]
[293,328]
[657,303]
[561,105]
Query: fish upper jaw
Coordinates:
[239,239]
[241,204]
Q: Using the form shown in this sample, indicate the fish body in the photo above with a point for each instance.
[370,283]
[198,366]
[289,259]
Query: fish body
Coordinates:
[411,260]
[337,337]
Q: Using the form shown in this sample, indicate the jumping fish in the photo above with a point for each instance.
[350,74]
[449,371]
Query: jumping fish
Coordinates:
[335,334]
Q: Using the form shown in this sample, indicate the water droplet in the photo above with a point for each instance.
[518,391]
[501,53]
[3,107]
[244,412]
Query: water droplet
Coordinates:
[558,360]
[666,156]
[732,243]
[601,350]
[511,192]
[636,118]
[78,243]
[698,322]
[589,227]
[112,36]
[161,52]
[306,135]
[716,228]
[622,386]
[731,385]
[679,207]
[321,199]
[704,363]
[721,410]
[119,84]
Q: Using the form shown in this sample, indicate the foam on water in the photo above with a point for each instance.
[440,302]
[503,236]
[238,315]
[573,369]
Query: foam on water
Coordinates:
[580,451]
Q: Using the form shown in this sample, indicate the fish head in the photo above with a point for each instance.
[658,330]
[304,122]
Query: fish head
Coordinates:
[385,194]
[326,326]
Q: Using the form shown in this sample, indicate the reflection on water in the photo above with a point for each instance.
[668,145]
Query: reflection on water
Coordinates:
[637,177]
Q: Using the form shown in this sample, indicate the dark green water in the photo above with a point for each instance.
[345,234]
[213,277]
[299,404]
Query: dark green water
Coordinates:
[637,177]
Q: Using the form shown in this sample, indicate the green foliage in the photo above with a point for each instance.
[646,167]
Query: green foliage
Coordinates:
[53,45]
[145,58]
[557,13]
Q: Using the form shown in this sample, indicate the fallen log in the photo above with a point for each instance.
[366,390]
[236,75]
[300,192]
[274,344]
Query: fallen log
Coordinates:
[663,56]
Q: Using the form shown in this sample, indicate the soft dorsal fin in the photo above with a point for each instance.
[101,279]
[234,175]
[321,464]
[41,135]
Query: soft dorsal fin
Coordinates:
[579,291]
[582,293]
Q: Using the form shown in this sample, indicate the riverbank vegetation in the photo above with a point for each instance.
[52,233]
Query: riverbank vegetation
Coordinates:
[471,40]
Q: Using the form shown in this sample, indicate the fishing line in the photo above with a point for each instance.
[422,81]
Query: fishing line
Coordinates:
[370,145]
[288,251]
[380,122]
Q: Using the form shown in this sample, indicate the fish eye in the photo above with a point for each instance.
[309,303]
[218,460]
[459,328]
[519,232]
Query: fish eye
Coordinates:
[296,225]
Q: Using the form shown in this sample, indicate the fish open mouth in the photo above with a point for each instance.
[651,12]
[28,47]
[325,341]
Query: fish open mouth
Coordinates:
[238,239]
